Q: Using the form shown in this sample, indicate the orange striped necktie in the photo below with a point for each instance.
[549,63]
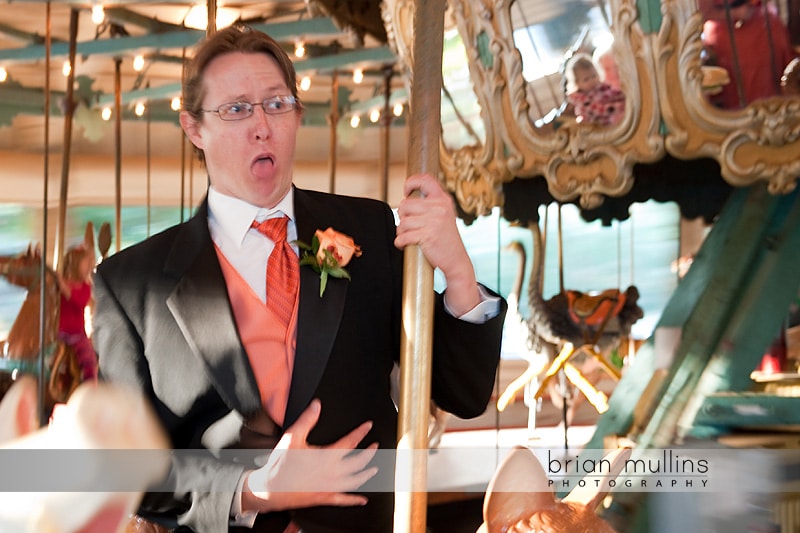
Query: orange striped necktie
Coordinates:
[283,269]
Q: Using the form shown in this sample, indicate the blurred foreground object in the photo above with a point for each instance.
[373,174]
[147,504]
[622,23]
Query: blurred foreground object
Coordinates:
[520,498]
[97,417]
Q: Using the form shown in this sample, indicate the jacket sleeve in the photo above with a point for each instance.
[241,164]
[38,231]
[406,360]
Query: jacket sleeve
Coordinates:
[465,359]
[190,495]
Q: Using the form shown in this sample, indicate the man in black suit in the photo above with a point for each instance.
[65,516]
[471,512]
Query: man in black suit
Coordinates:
[172,319]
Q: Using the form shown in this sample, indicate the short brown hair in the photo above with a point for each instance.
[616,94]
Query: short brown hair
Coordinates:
[71,262]
[237,38]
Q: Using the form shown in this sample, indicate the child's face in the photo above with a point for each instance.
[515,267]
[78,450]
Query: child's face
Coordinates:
[85,266]
[586,79]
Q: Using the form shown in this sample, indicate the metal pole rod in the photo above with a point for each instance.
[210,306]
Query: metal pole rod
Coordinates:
[149,158]
[334,123]
[69,111]
[386,122]
[211,27]
[118,151]
[183,142]
[417,330]
[43,415]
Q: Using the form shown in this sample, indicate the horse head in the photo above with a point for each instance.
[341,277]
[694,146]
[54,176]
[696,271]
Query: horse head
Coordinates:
[520,497]
[24,269]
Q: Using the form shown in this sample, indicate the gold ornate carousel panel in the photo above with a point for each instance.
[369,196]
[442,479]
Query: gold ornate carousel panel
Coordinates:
[715,101]
[516,106]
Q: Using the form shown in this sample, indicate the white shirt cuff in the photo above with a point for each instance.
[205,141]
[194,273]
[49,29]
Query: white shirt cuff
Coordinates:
[488,308]
[238,517]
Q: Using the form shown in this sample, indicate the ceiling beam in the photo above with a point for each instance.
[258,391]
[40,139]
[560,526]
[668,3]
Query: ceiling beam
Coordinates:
[168,40]
[317,64]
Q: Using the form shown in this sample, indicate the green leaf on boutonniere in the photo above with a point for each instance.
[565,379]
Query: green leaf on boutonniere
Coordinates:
[328,267]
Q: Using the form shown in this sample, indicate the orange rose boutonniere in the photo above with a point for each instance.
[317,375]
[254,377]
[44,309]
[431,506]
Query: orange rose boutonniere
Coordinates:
[328,254]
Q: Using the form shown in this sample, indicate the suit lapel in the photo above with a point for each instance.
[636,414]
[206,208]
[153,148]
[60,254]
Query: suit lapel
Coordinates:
[202,310]
[318,317]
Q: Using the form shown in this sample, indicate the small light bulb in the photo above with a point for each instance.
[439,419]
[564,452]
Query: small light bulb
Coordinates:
[66,68]
[398,109]
[374,115]
[300,49]
[3,74]
[355,120]
[106,113]
[175,103]
[305,83]
[98,14]
[139,109]
[358,75]
[138,63]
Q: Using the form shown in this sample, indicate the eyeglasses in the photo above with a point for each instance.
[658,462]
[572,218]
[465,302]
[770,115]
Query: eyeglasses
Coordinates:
[274,105]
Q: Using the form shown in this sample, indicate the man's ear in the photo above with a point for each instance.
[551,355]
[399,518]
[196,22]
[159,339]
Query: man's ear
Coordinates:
[191,126]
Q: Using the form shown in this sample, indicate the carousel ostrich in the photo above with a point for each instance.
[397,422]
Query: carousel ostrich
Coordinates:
[587,322]
[577,317]
[517,333]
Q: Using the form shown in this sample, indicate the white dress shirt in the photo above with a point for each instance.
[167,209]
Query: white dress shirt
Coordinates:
[230,223]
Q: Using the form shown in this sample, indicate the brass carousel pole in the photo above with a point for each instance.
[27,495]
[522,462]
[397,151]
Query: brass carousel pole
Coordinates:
[417,330]
[69,111]
[118,152]
[334,123]
[211,27]
[45,201]
[148,143]
[386,123]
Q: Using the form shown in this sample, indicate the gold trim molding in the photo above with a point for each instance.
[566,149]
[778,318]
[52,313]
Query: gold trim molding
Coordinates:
[577,160]
[760,142]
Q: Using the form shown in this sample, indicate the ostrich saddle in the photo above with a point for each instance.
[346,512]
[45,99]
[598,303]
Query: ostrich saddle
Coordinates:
[594,309]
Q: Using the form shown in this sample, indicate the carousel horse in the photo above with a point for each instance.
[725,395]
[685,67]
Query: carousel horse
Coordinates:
[520,497]
[20,352]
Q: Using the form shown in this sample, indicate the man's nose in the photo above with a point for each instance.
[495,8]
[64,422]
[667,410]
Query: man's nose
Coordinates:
[261,117]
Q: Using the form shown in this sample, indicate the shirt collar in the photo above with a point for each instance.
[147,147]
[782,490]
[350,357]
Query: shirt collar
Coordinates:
[235,216]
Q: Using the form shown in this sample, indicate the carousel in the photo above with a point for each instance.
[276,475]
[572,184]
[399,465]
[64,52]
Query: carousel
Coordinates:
[528,111]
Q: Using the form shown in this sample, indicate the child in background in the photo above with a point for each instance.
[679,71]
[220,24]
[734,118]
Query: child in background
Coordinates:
[763,49]
[75,284]
[592,100]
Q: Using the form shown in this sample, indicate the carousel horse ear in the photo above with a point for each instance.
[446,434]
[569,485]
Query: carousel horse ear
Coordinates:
[88,241]
[518,488]
[18,410]
[592,494]
[104,239]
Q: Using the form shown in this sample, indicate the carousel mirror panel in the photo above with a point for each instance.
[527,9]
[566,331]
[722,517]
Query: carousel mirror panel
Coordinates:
[728,75]
[541,88]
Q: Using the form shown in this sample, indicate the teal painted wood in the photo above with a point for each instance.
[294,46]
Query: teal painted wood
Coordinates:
[617,420]
[649,15]
[750,264]
[773,286]
[732,267]
[748,409]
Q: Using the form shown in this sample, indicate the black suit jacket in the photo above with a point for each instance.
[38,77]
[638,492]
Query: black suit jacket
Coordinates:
[164,324]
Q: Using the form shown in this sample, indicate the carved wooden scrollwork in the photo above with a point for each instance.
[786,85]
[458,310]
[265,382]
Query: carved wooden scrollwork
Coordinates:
[577,160]
[760,142]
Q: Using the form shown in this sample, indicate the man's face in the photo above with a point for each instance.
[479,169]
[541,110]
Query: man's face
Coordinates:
[252,158]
